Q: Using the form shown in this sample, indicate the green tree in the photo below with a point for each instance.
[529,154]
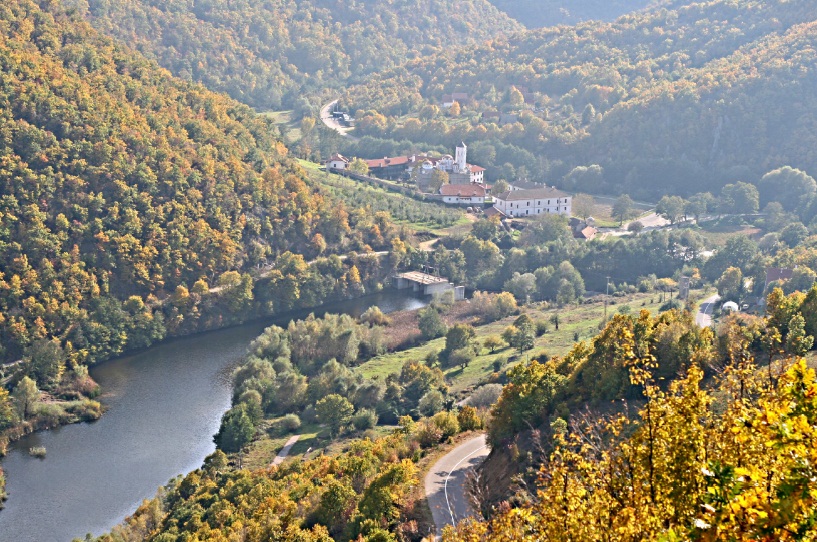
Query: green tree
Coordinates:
[740,198]
[431,323]
[25,396]
[623,208]
[459,336]
[359,166]
[438,178]
[335,411]
[798,343]
[671,208]
[583,205]
[492,342]
[6,409]
[236,431]
[46,359]
[730,284]
[791,187]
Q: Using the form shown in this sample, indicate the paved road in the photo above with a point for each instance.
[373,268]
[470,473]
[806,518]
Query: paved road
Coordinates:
[704,316]
[285,450]
[331,122]
[446,483]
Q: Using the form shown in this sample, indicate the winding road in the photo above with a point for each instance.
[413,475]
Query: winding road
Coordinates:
[704,316]
[331,122]
[446,484]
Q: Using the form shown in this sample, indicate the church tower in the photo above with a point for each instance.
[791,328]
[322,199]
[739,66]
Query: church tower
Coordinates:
[460,163]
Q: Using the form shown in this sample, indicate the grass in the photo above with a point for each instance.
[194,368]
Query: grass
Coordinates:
[289,127]
[420,216]
[581,319]
[603,211]
[718,232]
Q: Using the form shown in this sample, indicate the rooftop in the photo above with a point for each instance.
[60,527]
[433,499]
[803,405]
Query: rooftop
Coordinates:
[538,193]
[463,190]
[421,278]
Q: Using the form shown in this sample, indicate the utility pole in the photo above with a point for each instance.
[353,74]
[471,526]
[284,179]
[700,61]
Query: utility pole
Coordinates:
[606,295]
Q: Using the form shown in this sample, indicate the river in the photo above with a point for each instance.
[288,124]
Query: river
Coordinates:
[163,407]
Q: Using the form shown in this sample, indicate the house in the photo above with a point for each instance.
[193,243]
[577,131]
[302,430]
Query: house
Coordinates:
[338,161]
[462,194]
[777,274]
[520,203]
[389,168]
[449,99]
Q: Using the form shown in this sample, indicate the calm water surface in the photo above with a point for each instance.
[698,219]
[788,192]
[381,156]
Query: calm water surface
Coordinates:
[164,405]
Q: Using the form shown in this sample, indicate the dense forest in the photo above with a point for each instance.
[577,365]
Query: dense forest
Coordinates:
[271,53]
[541,13]
[696,95]
[134,206]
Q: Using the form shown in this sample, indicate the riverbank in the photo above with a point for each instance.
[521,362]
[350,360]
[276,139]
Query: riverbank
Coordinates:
[162,407]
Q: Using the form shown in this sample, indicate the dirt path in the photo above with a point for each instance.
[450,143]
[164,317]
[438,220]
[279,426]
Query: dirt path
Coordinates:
[285,450]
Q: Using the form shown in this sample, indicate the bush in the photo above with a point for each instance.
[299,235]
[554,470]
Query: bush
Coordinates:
[671,304]
[541,327]
[428,434]
[290,423]
[375,317]
[469,419]
[430,403]
[364,419]
[447,423]
[485,396]
[431,324]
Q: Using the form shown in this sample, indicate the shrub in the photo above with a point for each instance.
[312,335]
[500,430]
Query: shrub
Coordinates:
[364,419]
[541,327]
[485,396]
[431,403]
[447,423]
[428,434]
[375,317]
[290,423]
[469,419]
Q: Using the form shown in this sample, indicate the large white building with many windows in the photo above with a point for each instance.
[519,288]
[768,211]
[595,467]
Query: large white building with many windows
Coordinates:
[521,203]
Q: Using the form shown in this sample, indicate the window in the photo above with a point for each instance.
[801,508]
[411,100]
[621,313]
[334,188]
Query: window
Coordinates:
[528,204]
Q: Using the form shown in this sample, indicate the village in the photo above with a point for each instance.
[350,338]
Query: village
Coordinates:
[453,181]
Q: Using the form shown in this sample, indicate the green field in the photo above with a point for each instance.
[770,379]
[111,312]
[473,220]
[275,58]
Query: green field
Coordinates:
[580,319]
[425,216]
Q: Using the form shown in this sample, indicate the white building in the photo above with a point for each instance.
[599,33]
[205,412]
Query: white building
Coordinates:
[338,161]
[463,194]
[458,169]
[520,203]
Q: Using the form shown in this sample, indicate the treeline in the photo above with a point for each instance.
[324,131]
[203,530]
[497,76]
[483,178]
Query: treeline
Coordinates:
[271,55]
[718,453]
[697,95]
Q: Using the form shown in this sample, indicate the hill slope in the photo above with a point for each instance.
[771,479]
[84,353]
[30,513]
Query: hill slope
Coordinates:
[118,180]
[697,92]
[269,52]
[541,13]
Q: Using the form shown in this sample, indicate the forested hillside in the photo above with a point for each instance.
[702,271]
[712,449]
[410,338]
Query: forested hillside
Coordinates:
[126,194]
[540,13]
[697,96]
[266,53]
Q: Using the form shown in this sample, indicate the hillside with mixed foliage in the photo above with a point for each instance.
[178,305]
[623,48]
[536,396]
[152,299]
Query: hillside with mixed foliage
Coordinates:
[697,96]
[541,13]
[134,205]
[269,53]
